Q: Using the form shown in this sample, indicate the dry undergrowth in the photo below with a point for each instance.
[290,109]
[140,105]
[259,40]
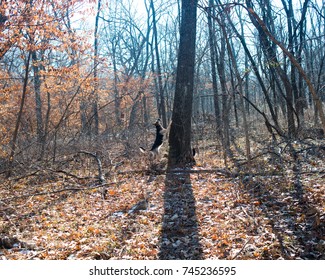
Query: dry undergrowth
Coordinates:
[269,208]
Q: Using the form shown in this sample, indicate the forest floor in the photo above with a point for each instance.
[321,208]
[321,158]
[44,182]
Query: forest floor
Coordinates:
[272,207]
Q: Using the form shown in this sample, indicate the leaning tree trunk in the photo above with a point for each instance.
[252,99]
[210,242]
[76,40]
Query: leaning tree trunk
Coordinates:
[259,78]
[20,113]
[316,99]
[180,152]
[270,54]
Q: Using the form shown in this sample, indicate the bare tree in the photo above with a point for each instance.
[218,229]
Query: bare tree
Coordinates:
[161,105]
[19,117]
[180,152]
[266,33]
[95,91]
[212,45]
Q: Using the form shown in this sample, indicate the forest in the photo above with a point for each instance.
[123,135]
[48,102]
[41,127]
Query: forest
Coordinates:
[234,89]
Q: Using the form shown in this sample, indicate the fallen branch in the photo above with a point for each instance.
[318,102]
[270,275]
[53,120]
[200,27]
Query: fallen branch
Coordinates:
[181,171]
[59,191]
[221,172]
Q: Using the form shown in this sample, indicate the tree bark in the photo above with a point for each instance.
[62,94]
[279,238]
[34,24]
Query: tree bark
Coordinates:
[240,86]
[38,101]
[180,152]
[95,129]
[117,98]
[20,113]
[162,105]
[224,99]
[212,45]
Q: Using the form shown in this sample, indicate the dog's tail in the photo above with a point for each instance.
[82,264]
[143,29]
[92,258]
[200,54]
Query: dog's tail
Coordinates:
[142,150]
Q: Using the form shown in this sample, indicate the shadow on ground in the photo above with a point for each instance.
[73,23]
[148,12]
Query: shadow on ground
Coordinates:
[293,214]
[179,238]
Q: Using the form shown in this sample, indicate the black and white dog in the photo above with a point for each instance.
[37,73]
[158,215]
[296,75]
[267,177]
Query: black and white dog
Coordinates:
[160,135]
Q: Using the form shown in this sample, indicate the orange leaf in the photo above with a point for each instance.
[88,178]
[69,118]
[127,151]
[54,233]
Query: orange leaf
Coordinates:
[112,192]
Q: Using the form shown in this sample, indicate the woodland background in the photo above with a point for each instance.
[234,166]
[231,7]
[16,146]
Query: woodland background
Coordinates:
[81,83]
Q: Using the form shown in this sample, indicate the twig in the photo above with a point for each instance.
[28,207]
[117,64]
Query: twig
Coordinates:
[69,174]
[36,254]
[24,176]
[254,220]
[101,176]
[242,249]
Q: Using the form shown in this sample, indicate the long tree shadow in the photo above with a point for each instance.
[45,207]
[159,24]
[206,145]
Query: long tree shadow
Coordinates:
[294,219]
[179,238]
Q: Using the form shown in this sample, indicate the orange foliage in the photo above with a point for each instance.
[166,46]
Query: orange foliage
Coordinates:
[65,69]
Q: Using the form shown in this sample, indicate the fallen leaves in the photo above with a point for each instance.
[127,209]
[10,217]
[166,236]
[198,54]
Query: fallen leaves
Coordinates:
[265,216]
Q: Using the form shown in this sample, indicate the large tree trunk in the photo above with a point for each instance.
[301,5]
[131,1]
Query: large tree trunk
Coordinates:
[180,152]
